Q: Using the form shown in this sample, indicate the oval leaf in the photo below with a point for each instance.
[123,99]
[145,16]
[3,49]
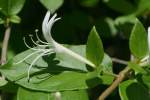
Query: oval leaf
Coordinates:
[131,90]
[145,80]
[138,40]
[15,19]
[137,68]
[94,48]
[24,94]
[11,7]
[107,64]
[52,5]
[89,3]
[122,6]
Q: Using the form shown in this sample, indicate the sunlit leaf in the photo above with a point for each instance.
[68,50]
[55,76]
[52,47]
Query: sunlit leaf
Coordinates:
[24,94]
[52,5]
[122,6]
[94,48]
[138,41]
[131,90]
[11,7]
[137,68]
[89,3]
[15,19]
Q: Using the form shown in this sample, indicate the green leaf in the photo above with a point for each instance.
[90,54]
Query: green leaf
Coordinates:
[125,19]
[9,87]
[50,73]
[131,90]
[11,7]
[24,94]
[107,64]
[15,19]
[137,68]
[89,3]
[3,82]
[94,48]
[143,5]
[52,5]
[75,95]
[138,41]
[2,21]
[145,80]
[70,62]
[121,6]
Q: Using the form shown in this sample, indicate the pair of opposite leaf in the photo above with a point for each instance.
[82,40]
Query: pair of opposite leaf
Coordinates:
[51,46]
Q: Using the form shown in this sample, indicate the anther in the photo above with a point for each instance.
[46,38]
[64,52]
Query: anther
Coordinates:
[36,30]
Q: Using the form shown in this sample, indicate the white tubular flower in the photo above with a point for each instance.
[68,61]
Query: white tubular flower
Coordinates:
[146,59]
[58,48]
[51,46]
[149,42]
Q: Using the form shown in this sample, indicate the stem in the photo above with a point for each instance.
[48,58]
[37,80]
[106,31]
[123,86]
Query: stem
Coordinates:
[115,84]
[4,52]
[5,45]
[119,61]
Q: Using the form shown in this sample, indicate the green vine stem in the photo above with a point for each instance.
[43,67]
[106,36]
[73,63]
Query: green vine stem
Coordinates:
[5,43]
[114,85]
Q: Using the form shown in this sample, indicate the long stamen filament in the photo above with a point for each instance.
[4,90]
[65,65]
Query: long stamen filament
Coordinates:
[31,47]
[27,44]
[41,40]
[28,56]
[35,42]
[42,54]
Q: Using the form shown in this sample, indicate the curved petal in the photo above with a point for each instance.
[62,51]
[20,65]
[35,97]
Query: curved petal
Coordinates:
[149,42]
[47,26]
[149,38]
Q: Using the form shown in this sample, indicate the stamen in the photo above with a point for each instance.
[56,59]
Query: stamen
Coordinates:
[36,30]
[28,57]
[42,54]
[36,42]
[40,39]
[24,40]
[31,47]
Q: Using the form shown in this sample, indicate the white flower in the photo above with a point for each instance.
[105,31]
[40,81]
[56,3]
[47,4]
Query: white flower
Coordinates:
[149,42]
[51,46]
[146,60]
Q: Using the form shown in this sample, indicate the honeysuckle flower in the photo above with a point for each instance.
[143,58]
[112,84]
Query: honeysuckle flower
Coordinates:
[146,59]
[149,42]
[50,46]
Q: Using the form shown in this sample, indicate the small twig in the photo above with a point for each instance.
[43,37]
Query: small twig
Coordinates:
[110,73]
[4,51]
[119,61]
[115,84]
[5,45]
